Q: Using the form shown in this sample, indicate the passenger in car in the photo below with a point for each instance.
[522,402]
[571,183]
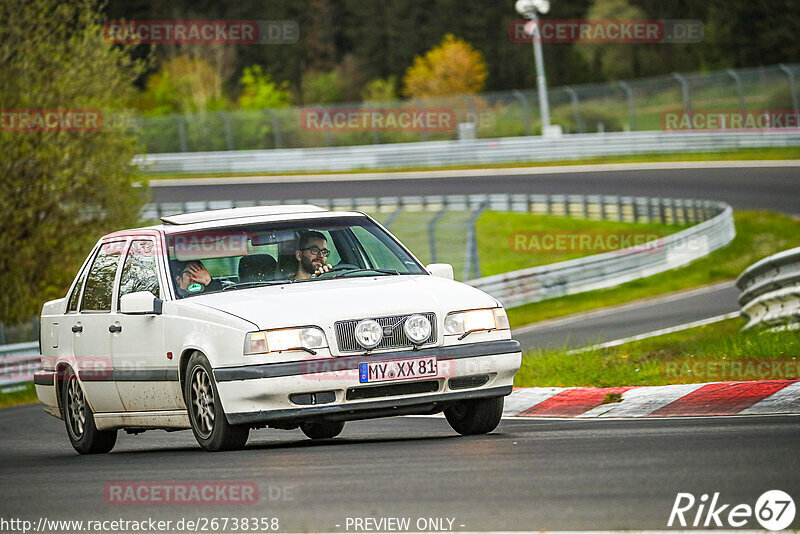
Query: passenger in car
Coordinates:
[311,254]
[195,278]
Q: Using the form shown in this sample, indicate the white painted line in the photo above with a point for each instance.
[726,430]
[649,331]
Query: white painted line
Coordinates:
[464,173]
[784,401]
[655,333]
[641,303]
[524,398]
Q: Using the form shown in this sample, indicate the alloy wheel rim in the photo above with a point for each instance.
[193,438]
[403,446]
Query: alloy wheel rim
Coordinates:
[203,402]
[76,408]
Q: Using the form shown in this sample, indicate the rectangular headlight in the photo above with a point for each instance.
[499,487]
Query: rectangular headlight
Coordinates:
[284,339]
[457,323]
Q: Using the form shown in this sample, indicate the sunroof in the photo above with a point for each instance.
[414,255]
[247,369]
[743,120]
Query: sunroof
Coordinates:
[236,213]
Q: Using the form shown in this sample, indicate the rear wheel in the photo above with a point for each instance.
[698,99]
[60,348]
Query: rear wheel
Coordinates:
[322,429]
[209,425]
[79,419]
[478,416]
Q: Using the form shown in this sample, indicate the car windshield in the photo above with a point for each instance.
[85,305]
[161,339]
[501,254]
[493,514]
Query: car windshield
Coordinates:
[240,257]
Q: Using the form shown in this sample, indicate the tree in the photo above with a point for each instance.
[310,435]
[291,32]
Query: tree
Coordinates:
[380,89]
[184,85]
[260,92]
[618,60]
[60,189]
[452,67]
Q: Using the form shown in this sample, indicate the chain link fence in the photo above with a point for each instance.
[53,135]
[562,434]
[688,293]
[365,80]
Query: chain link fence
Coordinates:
[633,105]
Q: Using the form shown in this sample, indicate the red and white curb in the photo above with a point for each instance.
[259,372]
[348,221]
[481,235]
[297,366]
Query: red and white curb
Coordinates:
[716,398]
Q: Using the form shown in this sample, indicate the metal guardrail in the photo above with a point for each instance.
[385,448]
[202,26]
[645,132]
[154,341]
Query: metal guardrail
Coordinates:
[18,362]
[771,290]
[613,268]
[475,151]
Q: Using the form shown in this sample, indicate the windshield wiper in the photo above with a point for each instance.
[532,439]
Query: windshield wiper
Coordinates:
[382,271]
[256,283]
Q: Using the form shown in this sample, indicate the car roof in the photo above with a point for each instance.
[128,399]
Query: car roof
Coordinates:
[226,217]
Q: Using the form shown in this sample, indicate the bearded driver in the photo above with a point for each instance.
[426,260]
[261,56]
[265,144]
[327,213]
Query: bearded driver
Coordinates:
[311,255]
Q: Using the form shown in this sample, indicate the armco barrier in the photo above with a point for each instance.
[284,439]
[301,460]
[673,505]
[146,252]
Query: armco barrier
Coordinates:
[475,151]
[612,268]
[771,290]
[18,362]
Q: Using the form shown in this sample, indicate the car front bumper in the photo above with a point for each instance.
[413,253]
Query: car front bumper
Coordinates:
[329,389]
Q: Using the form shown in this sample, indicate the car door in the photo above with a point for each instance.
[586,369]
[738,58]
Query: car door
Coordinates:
[146,378]
[91,339]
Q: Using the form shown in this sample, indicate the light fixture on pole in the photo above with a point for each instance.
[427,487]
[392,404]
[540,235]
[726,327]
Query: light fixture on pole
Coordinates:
[530,9]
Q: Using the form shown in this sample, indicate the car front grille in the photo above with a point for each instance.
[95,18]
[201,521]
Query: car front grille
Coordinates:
[392,390]
[346,337]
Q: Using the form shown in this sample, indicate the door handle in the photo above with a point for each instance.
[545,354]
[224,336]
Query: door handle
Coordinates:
[77,328]
[115,328]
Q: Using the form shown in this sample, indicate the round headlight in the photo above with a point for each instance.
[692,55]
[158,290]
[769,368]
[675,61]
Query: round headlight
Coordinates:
[368,333]
[417,328]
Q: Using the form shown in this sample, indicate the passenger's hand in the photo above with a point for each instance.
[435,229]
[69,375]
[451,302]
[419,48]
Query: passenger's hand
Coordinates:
[199,274]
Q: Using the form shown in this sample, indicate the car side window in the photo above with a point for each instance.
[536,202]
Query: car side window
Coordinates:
[76,294]
[139,270]
[100,281]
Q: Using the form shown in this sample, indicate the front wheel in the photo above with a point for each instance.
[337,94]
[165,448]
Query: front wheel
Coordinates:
[478,416]
[79,419]
[209,425]
[322,429]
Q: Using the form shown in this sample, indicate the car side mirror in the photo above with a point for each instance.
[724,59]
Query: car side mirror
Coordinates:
[140,303]
[441,270]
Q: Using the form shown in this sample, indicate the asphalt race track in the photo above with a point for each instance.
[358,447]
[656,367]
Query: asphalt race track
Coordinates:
[631,319]
[527,475]
[774,188]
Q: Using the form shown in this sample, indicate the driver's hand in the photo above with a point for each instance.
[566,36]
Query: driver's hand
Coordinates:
[323,269]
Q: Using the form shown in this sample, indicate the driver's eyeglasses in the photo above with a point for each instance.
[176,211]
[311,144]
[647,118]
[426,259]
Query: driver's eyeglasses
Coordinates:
[316,250]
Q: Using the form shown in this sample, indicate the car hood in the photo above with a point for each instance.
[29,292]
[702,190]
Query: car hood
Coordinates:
[323,302]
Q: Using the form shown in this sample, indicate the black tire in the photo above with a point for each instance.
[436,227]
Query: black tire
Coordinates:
[79,420]
[322,429]
[479,416]
[206,416]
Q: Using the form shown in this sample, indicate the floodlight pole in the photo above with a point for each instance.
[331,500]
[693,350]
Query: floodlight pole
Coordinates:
[541,80]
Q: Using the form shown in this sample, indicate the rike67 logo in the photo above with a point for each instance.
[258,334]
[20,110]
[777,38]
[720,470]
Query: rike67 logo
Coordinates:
[774,510]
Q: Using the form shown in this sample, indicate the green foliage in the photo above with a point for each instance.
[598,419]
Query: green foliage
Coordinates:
[183,85]
[60,190]
[380,89]
[323,87]
[260,92]
[617,60]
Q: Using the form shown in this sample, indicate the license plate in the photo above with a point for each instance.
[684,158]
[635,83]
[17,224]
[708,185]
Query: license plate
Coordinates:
[396,370]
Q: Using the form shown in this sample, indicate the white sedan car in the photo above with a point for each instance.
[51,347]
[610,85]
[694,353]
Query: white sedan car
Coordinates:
[284,317]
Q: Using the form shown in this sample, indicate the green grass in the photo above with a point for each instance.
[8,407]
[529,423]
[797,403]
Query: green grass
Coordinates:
[12,395]
[669,359]
[500,252]
[744,154]
[758,234]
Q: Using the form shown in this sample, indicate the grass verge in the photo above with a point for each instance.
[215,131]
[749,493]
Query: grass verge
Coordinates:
[24,393]
[744,154]
[713,353]
[758,234]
